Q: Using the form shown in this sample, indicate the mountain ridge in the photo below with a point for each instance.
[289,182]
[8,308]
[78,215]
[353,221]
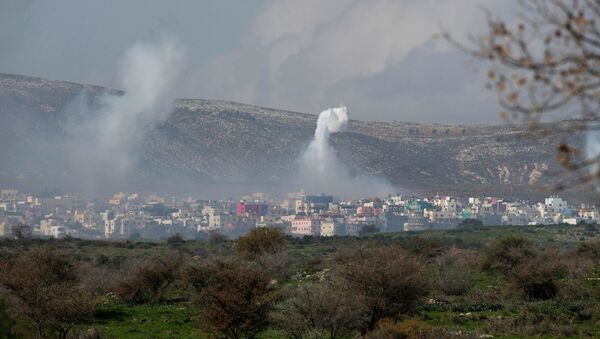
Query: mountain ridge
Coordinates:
[221,141]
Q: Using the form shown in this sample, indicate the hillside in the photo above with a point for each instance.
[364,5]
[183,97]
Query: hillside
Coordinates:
[226,142]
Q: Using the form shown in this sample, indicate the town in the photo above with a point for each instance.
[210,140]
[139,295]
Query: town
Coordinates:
[133,216]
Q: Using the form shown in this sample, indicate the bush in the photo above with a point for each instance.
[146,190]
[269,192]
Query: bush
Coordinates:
[470,224]
[149,282]
[368,230]
[506,253]
[456,271]
[319,310]
[259,241]
[590,249]
[387,279]
[235,297]
[175,240]
[423,247]
[537,275]
[6,321]
[216,238]
[47,287]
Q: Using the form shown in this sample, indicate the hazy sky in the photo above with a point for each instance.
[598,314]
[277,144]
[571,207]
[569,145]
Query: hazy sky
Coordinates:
[378,57]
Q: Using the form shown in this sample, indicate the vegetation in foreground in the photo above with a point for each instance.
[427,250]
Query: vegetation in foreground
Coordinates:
[476,282]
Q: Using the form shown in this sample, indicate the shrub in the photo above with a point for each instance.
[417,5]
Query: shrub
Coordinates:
[387,279]
[259,241]
[47,287]
[423,247]
[506,253]
[216,238]
[456,271]
[470,224]
[149,281]
[368,230]
[235,297]
[319,310]
[175,240]
[590,249]
[6,321]
[537,275]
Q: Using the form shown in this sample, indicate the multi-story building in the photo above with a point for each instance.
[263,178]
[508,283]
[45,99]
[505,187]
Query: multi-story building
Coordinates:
[306,226]
[330,228]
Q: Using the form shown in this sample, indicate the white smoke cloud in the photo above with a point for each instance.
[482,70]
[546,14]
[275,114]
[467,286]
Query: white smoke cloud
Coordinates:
[104,137]
[322,172]
[301,55]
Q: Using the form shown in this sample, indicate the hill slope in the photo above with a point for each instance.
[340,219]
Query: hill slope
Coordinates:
[227,142]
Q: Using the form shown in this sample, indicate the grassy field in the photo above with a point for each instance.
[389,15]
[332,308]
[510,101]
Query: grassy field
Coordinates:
[491,306]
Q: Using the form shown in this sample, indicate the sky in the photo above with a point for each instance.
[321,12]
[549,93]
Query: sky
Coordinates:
[380,58]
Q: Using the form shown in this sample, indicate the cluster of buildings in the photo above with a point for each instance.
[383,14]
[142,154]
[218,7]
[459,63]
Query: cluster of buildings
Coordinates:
[131,216]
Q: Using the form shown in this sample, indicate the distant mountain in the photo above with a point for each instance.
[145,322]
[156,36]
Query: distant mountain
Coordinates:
[213,141]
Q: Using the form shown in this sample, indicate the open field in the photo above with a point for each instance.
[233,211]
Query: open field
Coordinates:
[462,297]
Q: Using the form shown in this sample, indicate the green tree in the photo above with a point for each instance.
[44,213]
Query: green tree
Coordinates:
[259,241]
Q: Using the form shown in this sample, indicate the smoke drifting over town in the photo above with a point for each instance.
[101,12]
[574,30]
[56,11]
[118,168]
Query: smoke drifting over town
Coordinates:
[321,171]
[104,134]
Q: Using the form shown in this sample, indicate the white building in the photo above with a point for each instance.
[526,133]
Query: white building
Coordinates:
[306,226]
[555,205]
[332,228]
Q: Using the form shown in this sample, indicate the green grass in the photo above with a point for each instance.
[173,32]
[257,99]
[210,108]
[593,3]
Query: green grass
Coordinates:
[468,313]
[116,320]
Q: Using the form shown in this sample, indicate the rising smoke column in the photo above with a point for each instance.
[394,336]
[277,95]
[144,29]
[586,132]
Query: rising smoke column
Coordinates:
[322,172]
[320,157]
[104,137]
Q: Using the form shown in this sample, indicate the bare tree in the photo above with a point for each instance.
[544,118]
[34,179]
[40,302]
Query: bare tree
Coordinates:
[149,281]
[387,279]
[235,297]
[320,310]
[46,287]
[546,73]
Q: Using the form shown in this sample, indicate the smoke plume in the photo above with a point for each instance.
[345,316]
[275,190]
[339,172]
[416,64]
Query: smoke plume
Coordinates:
[105,135]
[322,172]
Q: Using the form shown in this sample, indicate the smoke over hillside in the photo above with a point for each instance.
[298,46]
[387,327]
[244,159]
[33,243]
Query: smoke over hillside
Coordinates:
[322,172]
[103,136]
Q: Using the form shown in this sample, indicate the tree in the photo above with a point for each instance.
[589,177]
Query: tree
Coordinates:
[537,275]
[387,279]
[259,241]
[456,271]
[546,66]
[175,240]
[47,287]
[216,238]
[21,232]
[320,310]
[368,230]
[234,297]
[149,282]
[469,224]
[506,253]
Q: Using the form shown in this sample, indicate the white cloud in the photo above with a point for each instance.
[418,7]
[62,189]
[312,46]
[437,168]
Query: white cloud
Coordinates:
[306,55]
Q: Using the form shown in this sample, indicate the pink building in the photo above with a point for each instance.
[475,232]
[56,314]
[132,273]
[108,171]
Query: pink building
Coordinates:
[306,226]
[246,209]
